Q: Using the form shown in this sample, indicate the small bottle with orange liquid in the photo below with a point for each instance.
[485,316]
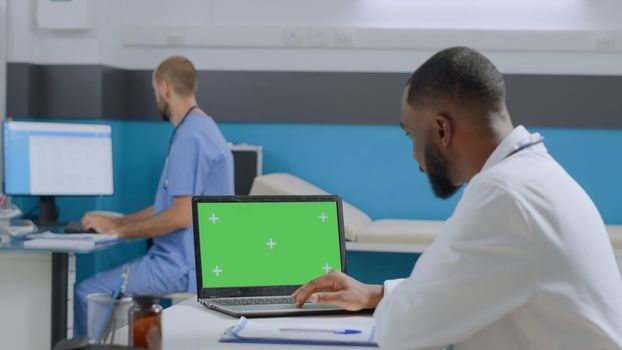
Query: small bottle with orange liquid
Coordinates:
[146,322]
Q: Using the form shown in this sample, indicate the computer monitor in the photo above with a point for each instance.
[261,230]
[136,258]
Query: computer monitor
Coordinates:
[49,159]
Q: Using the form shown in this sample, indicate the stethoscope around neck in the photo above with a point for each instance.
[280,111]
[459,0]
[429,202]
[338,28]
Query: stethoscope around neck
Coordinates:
[536,140]
[183,119]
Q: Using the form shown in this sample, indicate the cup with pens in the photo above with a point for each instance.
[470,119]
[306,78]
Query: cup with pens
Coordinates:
[108,315]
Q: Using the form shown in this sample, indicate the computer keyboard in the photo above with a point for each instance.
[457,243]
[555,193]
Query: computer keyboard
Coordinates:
[76,227]
[254,301]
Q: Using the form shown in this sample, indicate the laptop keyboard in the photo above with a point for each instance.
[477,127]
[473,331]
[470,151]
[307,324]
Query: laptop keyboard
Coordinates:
[253,301]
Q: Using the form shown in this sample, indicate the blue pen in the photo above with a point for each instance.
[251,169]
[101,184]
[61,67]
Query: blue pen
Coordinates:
[334,331]
[116,294]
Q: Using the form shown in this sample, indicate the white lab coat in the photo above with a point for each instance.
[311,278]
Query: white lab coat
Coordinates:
[524,262]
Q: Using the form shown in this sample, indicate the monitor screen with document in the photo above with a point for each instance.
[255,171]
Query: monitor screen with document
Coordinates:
[48,159]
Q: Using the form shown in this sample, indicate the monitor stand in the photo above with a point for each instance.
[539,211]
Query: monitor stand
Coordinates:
[47,210]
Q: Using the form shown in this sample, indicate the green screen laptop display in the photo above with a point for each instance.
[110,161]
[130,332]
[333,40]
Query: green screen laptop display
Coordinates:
[253,244]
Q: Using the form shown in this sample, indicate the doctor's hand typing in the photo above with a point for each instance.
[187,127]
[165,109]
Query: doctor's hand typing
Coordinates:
[339,289]
[100,223]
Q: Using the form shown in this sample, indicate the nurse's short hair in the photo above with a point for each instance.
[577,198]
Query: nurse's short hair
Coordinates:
[179,72]
[458,75]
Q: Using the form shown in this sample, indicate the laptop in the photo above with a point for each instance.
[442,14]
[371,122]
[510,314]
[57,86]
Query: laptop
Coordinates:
[253,252]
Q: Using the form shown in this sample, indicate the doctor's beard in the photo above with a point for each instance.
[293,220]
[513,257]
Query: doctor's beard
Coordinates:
[164,109]
[436,166]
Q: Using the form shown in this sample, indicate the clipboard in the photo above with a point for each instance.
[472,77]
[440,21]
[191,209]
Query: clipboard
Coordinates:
[302,331]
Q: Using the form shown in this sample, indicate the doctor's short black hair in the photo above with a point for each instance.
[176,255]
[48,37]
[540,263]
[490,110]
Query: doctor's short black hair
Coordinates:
[458,75]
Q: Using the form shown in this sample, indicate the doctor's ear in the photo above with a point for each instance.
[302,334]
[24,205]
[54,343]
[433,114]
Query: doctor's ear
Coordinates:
[443,129]
[166,88]
[163,88]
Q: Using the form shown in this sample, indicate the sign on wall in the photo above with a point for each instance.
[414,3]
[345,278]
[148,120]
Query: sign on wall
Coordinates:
[64,14]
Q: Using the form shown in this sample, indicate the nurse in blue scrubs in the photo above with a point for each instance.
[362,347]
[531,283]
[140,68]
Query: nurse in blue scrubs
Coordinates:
[199,162]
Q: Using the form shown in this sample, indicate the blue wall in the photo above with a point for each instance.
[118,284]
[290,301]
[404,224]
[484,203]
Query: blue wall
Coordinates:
[369,165]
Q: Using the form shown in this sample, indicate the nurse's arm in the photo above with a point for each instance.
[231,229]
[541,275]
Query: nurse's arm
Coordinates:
[106,223]
[178,216]
[137,216]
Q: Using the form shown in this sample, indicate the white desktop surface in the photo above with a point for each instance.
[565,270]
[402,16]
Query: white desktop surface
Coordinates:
[190,325]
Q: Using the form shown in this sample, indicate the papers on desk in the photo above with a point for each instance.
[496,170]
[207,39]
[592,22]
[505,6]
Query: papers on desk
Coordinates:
[303,331]
[17,228]
[79,241]
[9,213]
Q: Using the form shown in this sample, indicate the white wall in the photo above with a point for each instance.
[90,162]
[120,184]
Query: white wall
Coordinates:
[473,14]
[528,36]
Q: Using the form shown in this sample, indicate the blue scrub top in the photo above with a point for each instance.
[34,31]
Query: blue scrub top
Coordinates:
[199,163]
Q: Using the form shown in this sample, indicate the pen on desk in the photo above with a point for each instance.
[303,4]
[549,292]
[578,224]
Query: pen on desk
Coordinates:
[334,331]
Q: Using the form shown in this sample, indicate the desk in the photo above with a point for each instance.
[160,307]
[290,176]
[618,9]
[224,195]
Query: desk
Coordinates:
[32,298]
[190,325]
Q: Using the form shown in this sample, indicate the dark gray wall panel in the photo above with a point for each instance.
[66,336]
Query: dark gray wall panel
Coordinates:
[140,101]
[19,93]
[54,91]
[114,92]
[293,97]
[84,91]
[565,101]
[302,97]
[69,91]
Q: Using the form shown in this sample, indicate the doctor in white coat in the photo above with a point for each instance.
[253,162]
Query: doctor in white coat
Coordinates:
[524,262]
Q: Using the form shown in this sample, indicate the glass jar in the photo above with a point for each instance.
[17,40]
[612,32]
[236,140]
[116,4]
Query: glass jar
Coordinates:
[146,322]
[107,319]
